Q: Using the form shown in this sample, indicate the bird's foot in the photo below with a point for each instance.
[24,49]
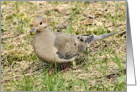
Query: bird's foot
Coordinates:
[51,70]
[66,69]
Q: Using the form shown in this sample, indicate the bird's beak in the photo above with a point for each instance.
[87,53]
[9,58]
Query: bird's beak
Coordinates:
[31,31]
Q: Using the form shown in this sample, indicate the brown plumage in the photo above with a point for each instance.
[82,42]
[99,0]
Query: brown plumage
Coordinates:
[59,47]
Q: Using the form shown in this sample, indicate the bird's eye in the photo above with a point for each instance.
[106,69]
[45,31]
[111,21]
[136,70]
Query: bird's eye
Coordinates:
[40,23]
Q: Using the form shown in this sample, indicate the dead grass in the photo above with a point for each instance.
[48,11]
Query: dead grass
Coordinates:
[105,66]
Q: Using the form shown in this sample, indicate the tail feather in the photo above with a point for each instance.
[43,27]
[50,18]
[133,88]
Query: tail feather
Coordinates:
[92,38]
[99,37]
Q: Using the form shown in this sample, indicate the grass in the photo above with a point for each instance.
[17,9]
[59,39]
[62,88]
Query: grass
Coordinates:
[103,69]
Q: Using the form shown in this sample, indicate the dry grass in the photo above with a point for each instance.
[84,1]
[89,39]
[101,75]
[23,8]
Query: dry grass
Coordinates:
[103,70]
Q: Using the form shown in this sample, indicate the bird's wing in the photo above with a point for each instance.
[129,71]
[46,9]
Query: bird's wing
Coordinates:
[65,44]
[70,46]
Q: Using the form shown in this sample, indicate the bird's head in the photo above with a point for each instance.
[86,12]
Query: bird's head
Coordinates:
[39,24]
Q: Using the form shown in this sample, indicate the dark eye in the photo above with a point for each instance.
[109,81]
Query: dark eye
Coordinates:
[40,23]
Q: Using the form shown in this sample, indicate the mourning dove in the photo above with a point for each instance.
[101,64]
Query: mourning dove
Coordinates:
[60,47]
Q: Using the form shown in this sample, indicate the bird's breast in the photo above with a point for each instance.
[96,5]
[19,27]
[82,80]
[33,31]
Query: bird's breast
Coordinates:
[44,47]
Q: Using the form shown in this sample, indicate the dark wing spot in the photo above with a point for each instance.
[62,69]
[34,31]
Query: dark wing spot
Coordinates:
[75,44]
[78,37]
[89,39]
[81,39]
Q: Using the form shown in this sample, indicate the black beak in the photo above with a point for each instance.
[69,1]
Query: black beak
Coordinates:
[31,31]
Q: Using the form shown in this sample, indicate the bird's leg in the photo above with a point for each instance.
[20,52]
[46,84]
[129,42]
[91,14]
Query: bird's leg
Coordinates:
[51,70]
[66,68]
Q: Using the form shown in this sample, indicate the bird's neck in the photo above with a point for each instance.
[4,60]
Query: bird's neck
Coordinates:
[42,37]
[43,34]
[44,29]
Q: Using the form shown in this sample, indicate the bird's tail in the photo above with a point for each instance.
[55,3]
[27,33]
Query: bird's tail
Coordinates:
[99,37]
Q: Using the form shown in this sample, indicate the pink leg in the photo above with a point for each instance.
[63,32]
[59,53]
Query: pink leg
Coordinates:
[51,70]
[67,68]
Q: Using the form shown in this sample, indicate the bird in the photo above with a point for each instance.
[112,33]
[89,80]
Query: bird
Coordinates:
[58,47]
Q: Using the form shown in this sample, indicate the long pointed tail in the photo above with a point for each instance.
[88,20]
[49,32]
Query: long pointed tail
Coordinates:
[92,38]
[99,37]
